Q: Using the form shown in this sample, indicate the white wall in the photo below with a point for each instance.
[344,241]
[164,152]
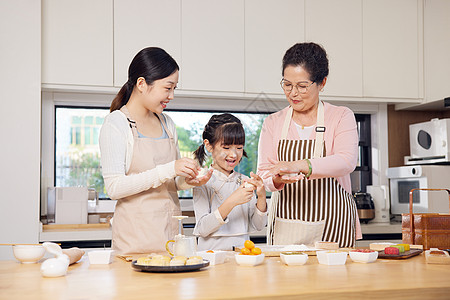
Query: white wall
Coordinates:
[20,79]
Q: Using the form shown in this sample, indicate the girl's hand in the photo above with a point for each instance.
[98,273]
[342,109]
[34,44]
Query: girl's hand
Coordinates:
[241,195]
[186,167]
[257,182]
[198,181]
[283,171]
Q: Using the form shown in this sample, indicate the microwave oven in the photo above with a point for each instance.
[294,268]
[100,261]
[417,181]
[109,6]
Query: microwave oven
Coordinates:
[428,142]
[403,179]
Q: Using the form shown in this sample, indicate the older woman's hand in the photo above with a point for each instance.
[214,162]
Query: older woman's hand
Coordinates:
[283,171]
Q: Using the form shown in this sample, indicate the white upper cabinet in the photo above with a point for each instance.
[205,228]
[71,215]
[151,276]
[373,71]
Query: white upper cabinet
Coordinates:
[77,42]
[437,49]
[392,51]
[271,27]
[144,23]
[337,26]
[213,45]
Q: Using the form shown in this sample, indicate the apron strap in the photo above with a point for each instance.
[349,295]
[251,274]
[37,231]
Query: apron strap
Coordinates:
[320,129]
[287,121]
[162,120]
[132,123]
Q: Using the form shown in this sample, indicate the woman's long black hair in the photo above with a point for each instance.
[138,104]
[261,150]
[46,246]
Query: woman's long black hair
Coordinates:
[151,63]
[224,128]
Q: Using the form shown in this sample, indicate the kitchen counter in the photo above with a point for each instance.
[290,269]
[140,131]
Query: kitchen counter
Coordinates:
[405,279]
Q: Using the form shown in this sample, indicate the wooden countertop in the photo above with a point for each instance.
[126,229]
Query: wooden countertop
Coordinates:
[411,278]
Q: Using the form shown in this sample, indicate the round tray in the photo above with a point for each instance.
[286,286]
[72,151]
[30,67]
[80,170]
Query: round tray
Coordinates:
[169,269]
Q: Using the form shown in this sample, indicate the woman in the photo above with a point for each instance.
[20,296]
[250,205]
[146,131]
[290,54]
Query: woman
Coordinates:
[306,154]
[140,158]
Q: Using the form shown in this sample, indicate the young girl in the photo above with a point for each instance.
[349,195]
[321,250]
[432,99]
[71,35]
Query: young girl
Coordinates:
[141,162]
[226,208]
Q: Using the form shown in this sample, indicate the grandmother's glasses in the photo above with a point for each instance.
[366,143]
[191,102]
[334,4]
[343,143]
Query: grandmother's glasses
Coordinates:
[302,87]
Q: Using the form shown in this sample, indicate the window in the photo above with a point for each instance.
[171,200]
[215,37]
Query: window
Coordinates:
[77,154]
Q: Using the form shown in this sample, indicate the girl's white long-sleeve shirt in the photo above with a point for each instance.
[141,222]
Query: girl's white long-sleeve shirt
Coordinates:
[116,148]
[214,232]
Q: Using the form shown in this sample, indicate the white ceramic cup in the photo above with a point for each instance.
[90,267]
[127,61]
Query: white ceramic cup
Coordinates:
[183,246]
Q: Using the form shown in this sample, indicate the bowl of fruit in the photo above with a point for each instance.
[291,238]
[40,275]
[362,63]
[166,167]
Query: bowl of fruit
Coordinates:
[249,255]
[363,255]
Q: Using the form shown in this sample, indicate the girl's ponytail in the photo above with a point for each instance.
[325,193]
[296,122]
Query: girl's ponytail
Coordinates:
[200,154]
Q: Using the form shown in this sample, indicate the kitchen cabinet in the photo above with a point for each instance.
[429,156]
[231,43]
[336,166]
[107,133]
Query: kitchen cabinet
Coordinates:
[392,51]
[337,26]
[213,45]
[144,23]
[271,27]
[436,49]
[77,42]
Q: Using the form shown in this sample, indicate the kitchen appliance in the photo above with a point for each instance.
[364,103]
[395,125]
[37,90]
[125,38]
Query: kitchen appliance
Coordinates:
[429,142]
[381,201]
[403,179]
[69,205]
[365,206]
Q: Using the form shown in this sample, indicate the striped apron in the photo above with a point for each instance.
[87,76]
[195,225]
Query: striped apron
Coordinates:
[310,210]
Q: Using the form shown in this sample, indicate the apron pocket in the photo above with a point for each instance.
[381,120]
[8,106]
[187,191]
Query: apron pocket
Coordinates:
[296,232]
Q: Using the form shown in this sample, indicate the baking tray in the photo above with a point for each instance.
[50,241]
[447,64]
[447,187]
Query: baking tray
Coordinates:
[169,269]
[404,255]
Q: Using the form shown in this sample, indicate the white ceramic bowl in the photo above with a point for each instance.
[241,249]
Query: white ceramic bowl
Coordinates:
[293,258]
[28,254]
[249,260]
[101,257]
[363,257]
[215,258]
[331,257]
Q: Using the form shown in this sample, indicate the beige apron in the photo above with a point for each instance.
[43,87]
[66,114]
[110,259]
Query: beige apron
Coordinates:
[310,210]
[143,222]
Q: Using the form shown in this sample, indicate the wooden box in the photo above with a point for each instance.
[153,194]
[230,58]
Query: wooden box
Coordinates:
[432,230]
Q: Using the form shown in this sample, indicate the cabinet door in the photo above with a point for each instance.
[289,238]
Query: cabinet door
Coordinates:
[391,52]
[77,42]
[213,45]
[271,27]
[144,23]
[336,25]
[436,49]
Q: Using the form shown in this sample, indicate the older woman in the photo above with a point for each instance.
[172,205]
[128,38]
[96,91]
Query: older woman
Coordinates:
[306,154]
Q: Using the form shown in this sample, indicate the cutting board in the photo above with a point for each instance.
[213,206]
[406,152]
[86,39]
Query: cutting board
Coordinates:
[75,226]
[404,255]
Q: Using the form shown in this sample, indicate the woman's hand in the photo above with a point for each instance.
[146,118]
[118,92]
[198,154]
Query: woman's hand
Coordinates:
[198,181]
[284,171]
[186,167]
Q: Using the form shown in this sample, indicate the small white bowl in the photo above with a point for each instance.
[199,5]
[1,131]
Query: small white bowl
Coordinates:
[293,258]
[363,257]
[215,258]
[101,257]
[331,257]
[28,254]
[249,260]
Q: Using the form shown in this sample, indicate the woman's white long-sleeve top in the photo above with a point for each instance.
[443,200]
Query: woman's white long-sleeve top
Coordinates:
[116,148]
